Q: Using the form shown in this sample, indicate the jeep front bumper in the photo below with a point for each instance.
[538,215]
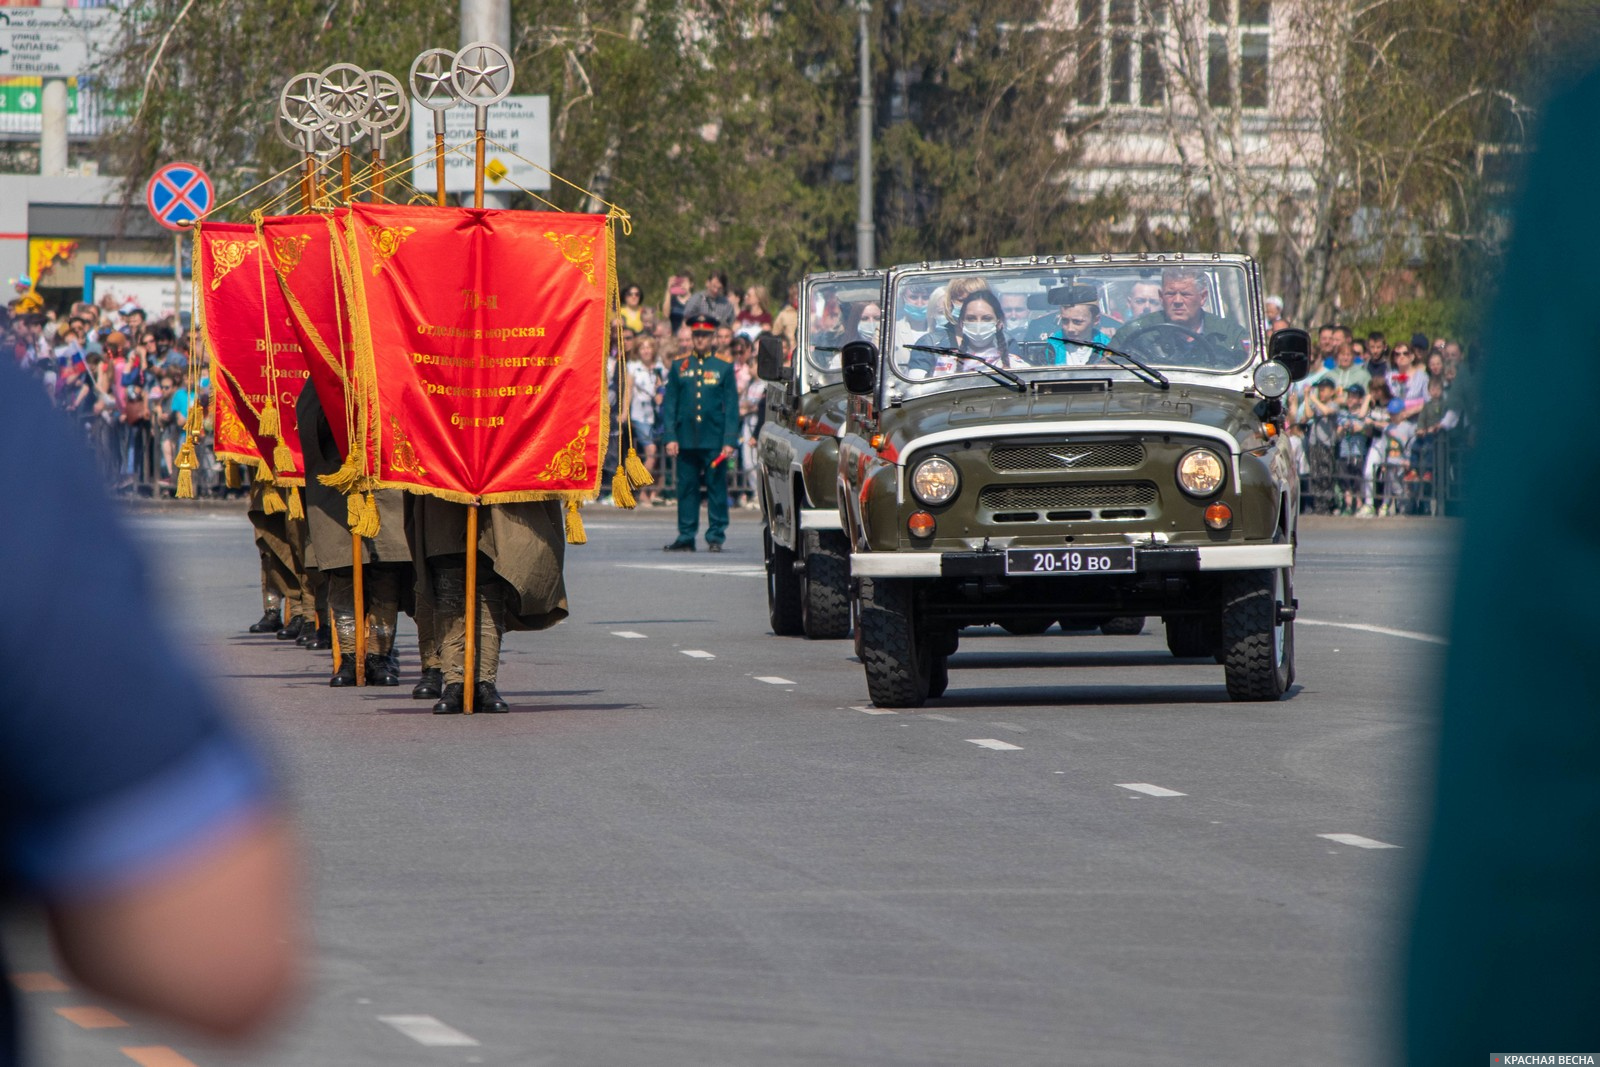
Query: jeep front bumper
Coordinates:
[1159,559]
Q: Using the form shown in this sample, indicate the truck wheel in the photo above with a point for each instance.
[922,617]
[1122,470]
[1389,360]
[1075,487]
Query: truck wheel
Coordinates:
[783,588]
[898,658]
[1026,627]
[1191,637]
[1123,626]
[1258,647]
[825,585]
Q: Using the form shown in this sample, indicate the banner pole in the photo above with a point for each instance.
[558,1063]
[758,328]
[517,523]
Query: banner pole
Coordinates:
[477,162]
[471,615]
[344,173]
[360,651]
[377,176]
[438,156]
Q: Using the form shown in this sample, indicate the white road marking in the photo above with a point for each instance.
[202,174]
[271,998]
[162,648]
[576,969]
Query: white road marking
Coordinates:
[873,711]
[1150,790]
[1410,635]
[698,653]
[1357,840]
[426,1030]
[629,634]
[998,746]
[772,679]
[1010,726]
[941,718]
[735,570]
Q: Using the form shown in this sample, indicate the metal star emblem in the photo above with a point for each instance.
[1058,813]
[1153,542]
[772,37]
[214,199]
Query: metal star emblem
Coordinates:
[432,79]
[298,104]
[344,91]
[478,71]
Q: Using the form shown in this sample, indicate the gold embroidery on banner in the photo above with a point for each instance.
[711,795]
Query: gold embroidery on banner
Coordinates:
[288,252]
[386,242]
[569,463]
[404,459]
[226,255]
[578,249]
[231,431]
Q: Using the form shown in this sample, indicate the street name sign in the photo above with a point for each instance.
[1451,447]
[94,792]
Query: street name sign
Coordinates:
[521,123]
[53,42]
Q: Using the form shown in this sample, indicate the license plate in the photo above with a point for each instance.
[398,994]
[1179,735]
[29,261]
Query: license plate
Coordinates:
[1069,560]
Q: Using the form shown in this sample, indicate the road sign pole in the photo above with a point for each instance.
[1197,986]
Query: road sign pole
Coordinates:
[486,20]
[53,120]
[177,284]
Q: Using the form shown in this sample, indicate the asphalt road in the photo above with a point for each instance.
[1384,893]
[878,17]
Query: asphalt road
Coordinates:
[693,843]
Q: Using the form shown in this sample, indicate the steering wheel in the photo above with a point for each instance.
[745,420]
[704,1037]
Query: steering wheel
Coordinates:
[1193,350]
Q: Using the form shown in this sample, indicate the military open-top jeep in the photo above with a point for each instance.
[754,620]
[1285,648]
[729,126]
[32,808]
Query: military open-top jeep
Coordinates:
[1072,439]
[807,556]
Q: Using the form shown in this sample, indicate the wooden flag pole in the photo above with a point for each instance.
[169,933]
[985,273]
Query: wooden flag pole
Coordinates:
[471,614]
[477,163]
[377,176]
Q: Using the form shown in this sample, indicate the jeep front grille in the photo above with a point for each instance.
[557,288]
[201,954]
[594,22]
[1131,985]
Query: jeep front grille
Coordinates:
[1093,455]
[1012,498]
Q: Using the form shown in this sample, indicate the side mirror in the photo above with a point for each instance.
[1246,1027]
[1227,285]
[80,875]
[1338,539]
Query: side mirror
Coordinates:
[770,363]
[1292,348]
[858,361]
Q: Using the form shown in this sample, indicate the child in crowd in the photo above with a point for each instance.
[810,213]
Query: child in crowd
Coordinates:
[1377,425]
[1353,433]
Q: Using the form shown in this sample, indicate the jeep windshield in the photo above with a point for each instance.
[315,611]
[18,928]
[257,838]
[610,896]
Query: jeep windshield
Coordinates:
[836,313]
[1047,320]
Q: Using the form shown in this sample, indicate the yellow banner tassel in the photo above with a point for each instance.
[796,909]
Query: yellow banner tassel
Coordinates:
[368,526]
[195,424]
[264,473]
[352,510]
[234,475]
[272,503]
[575,534]
[638,474]
[621,491]
[282,458]
[297,510]
[186,462]
[185,490]
[269,421]
[345,478]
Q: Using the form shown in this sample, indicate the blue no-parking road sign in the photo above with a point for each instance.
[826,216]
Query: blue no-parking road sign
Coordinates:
[178,194]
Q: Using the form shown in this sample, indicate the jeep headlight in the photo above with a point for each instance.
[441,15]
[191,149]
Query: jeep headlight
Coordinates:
[935,481]
[1201,472]
[1272,379]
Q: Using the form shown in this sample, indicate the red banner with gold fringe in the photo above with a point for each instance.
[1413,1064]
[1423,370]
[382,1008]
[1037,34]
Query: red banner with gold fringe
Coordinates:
[481,340]
[300,251]
[256,366]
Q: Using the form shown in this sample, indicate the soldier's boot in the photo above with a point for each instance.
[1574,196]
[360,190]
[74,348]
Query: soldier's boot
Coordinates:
[488,699]
[431,686]
[382,670]
[308,633]
[291,629]
[269,623]
[322,640]
[346,674]
[449,700]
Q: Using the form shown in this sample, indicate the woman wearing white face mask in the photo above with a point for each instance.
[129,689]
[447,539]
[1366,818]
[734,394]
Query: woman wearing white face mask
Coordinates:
[865,322]
[981,331]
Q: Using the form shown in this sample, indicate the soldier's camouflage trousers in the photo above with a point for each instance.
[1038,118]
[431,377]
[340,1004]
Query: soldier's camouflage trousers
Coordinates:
[380,585]
[427,634]
[274,584]
[449,617]
[303,598]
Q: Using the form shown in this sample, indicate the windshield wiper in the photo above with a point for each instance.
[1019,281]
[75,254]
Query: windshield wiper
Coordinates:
[988,369]
[1140,369]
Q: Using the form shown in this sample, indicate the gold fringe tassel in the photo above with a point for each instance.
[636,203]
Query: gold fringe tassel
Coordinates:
[282,458]
[621,491]
[186,462]
[269,425]
[368,525]
[185,484]
[272,503]
[638,474]
[234,475]
[297,510]
[345,478]
[575,534]
[264,473]
[352,510]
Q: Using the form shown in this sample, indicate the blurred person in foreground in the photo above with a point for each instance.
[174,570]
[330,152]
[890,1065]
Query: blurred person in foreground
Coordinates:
[131,809]
[1506,930]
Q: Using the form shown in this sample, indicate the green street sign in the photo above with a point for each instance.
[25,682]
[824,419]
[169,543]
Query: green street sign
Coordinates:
[23,96]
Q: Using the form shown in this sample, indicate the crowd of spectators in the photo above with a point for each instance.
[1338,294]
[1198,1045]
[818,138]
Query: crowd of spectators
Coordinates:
[122,379]
[1376,428]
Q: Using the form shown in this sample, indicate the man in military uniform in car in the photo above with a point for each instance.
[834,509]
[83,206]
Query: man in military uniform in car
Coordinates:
[1183,330]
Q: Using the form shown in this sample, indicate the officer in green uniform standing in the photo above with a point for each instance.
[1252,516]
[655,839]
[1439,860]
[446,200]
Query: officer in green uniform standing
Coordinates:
[702,428]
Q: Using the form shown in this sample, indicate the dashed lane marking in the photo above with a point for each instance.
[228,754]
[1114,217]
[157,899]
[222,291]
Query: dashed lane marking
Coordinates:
[868,710]
[1386,631]
[90,1017]
[773,679]
[37,982]
[157,1056]
[1150,790]
[941,718]
[1357,840]
[629,634]
[995,744]
[698,653]
[426,1030]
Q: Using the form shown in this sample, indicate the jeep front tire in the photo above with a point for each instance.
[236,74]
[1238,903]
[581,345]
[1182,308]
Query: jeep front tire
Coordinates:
[1257,642]
[825,585]
[898,658]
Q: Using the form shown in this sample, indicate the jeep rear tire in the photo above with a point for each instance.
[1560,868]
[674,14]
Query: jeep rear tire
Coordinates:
[1123,626]
[783,588]
[1258,645]
[825,585]
[898,658]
